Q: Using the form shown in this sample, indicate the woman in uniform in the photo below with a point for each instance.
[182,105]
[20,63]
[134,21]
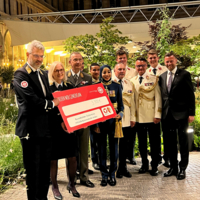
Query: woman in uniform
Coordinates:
[64,144]
[108,127]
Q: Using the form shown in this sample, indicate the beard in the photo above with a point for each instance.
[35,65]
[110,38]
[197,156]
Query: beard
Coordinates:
[35,64]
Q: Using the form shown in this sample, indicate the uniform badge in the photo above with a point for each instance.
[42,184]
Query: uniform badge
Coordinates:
[148,84]
[69,74]
[147,77]
[128,68]
[129,91]
[28,69]
[84,82]
[112,93]
[149,70]
[81,74]
[160,68]
[125,81]
[24,84]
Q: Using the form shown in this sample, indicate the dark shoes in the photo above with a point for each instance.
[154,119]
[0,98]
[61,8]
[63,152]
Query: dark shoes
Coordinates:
[57,194]
[74,191]
[154,171]
[119,175]
[181,175]
[96,166]
[132,161]
[104,182]
[112,182]
[143,170]
[87,183]
[166,163]
[125,173]
[90,171]
[171,172]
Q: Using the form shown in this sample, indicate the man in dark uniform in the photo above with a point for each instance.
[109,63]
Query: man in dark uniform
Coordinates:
[94,129]
[79,79]
[178,110]
[35,103]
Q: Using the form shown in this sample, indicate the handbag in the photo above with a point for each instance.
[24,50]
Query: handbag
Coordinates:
[118,129]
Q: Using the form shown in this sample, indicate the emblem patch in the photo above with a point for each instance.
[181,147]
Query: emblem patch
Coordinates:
[148,84]
[24,84]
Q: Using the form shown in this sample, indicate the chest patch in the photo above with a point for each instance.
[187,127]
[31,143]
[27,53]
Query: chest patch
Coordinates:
[112,93]
[148,84]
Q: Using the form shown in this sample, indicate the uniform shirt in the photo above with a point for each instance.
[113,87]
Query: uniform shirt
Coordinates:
[143,76]
[159,70]
[173,73]
[57,84]
[117,80]
[75,73]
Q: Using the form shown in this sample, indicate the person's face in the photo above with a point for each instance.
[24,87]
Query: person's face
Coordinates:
[76,61]
[170,62]
[35,58]
[141,67]
[106,74]
[95,72]
[120,71]
[122,59]
[153,60]
[58,73]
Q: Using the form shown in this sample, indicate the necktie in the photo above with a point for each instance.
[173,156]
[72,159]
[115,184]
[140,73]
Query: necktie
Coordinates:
[140,79]
[60,87]
[75,78]
[154,71]
[169,82]
[120,81]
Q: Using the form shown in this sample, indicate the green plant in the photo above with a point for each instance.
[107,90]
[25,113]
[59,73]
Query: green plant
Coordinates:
[7,73]
[100,48]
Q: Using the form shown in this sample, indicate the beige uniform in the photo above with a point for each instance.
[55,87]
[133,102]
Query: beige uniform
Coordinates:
[160,70]
[129,103]
[148,98]
[130,73]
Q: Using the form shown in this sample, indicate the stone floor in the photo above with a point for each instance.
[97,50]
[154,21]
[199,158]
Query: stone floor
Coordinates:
[139,187]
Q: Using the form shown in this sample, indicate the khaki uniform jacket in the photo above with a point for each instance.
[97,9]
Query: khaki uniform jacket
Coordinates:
[129,103]
[161,69]
[130,73]
[148,98]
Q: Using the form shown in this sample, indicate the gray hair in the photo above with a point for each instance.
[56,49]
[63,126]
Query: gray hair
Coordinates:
[35,43]
[119,64]
[51,70]
[74,53]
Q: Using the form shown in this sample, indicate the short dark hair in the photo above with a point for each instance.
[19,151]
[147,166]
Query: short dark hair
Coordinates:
[121,52]
[152,51]
[94,64]
[170,54]
[141,59]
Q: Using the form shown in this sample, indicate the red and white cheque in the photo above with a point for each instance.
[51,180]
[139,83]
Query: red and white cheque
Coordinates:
[84,106]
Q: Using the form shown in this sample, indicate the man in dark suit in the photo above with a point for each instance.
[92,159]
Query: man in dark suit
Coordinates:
[79,79]
[35,103]
[178,109]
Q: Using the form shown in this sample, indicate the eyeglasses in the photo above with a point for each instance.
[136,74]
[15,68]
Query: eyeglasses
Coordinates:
[60,70]
[138,66]
[38,56]
[76,60]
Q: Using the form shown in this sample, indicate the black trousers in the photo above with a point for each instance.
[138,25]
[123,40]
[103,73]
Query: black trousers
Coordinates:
[123,142]
[154,139]
[175,131]
[36,158]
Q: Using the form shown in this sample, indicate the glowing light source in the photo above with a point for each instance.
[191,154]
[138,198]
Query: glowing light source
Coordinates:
[58,52]
[134,47]
[49,50]
[26,46]
[63,54]
[130,41]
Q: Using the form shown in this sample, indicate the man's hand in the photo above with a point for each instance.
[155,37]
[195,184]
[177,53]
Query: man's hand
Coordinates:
[190,119]
[64,127]
[156,120]
[132,124]
[56,102]
[117,116]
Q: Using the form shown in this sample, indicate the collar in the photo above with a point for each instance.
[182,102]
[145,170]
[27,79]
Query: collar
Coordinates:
[33,69]
[143,75]
[56,84]
[117,79]
[75,73]
[95,80]
[155,67]
[173,71]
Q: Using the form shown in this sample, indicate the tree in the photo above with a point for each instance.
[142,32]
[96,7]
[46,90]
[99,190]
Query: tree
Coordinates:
[7,73]
[100,48]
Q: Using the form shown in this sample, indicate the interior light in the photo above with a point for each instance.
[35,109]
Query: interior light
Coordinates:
[26,46]
[49,50]
[130,41]
[63,54]
[58,52]
[134,46]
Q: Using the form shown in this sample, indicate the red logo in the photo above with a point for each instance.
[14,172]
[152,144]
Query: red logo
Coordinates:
[24,84]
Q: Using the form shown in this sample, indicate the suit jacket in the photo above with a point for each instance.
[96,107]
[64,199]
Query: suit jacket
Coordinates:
[130,73]
[129,103]
[34,107]
[161,69]
[148,98]
[83,79]
[180,101]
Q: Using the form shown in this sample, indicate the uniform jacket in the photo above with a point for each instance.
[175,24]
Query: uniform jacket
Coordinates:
[83,79]
[161,69]
[130,73]
[148,98]
[34,107]
[180,101]
[129,103]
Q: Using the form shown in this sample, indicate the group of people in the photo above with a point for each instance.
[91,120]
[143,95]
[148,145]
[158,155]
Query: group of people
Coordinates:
[144,99]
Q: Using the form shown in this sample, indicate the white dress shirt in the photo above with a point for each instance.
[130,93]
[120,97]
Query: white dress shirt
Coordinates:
[117,79]
[75,73]
[173,73]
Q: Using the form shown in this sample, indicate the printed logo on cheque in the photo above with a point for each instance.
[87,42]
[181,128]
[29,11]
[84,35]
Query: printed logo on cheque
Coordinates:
[107,110]
[100,90]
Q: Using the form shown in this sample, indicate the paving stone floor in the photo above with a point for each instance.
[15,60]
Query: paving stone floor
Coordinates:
[139,187]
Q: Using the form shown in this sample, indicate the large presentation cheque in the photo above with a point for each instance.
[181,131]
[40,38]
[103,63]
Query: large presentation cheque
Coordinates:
[84,106]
